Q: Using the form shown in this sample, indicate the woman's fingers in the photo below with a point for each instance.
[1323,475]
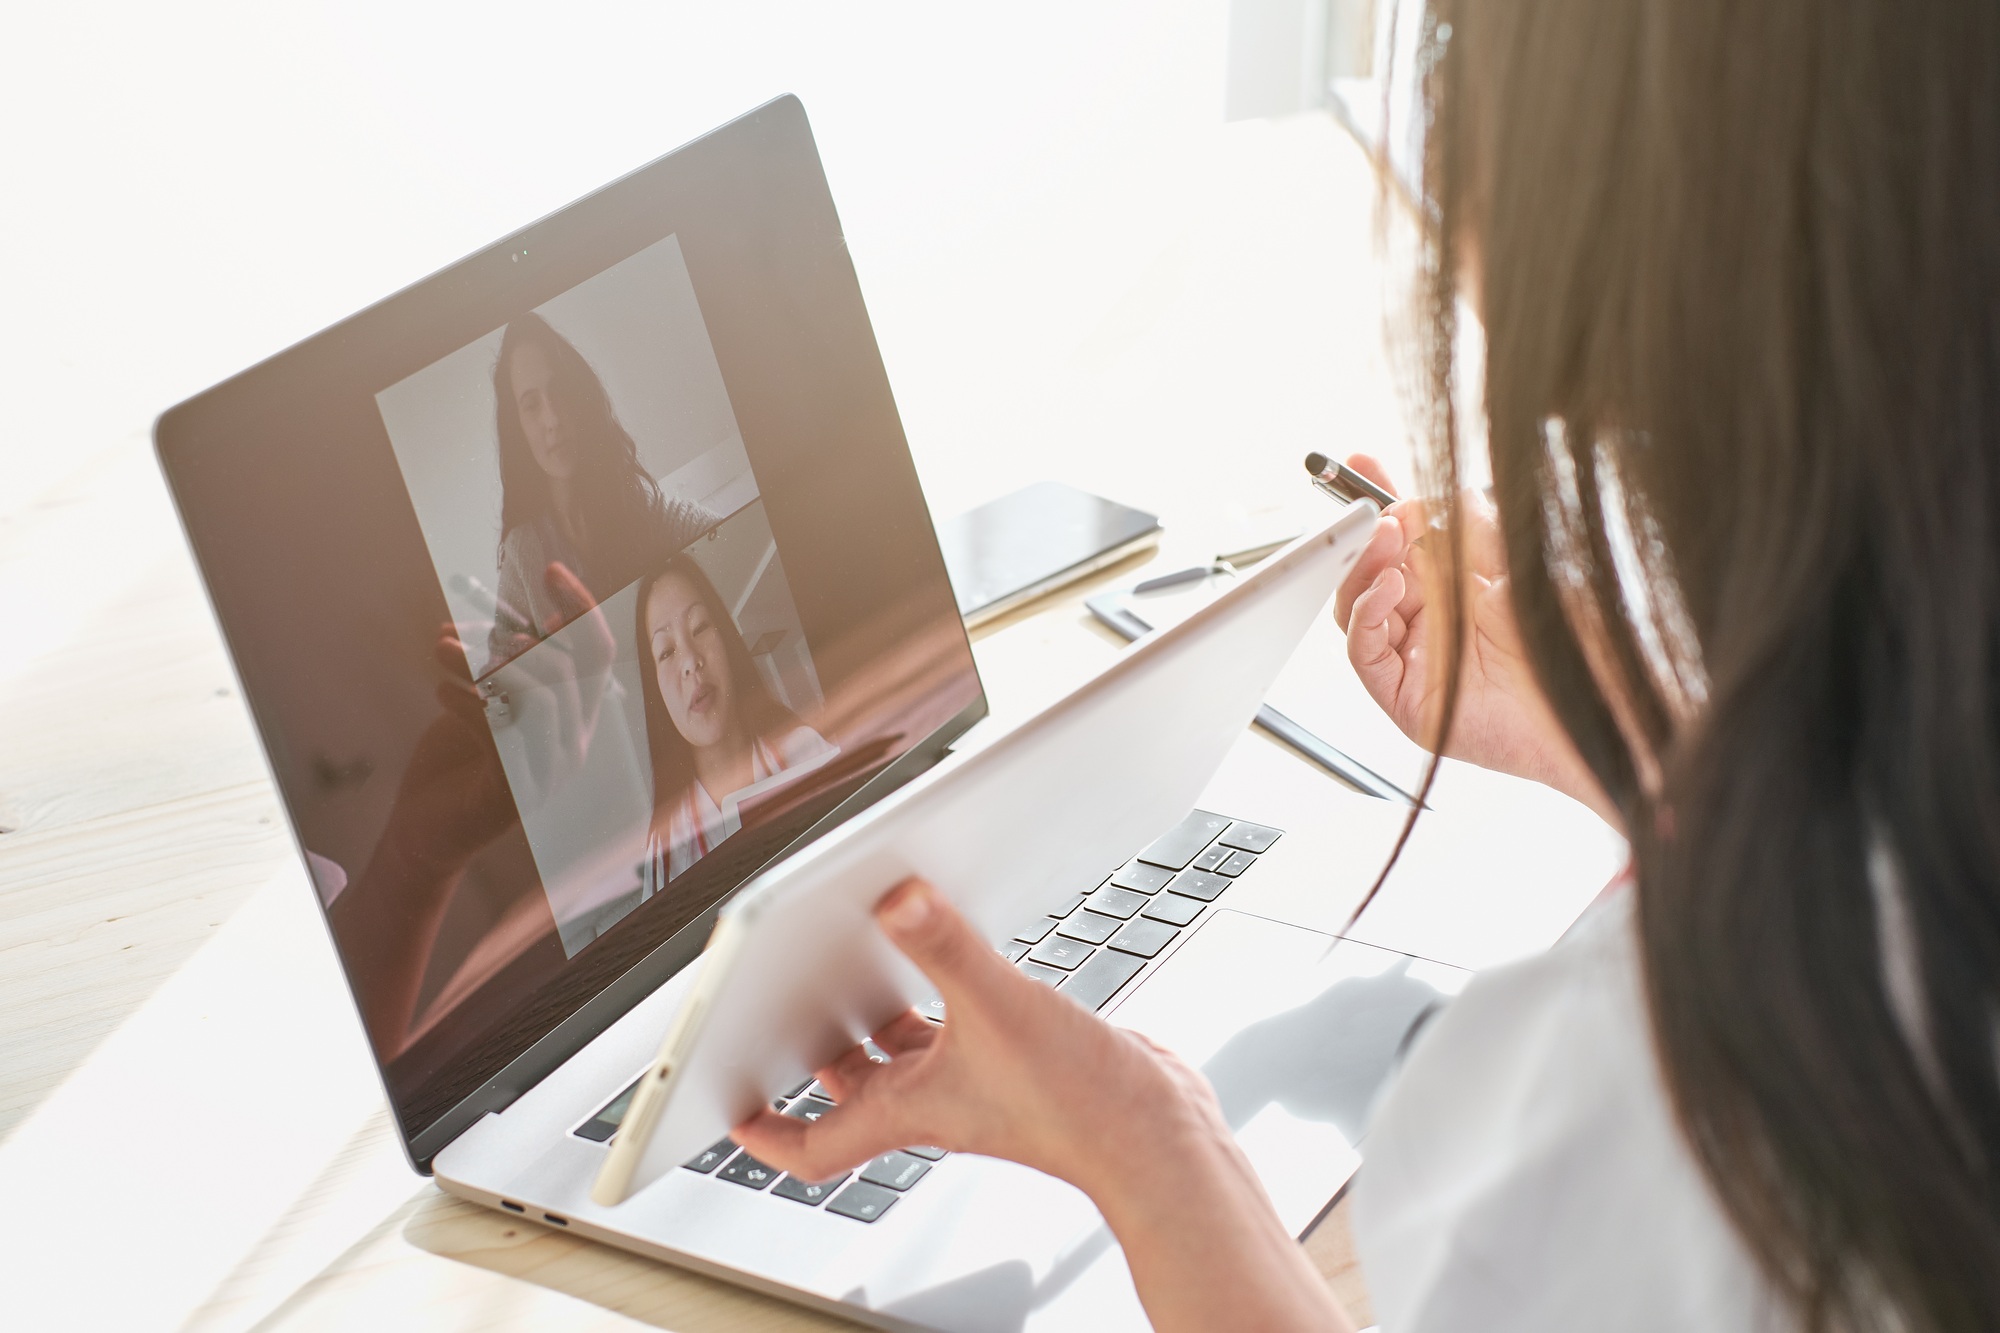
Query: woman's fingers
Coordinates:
[939,1085]
[458,698]
[1375,635]
[904,1033]
[773,1138]
[1376,608]
[816,1149]
[572,599]
[1385,548]
[932,934]
[844,1077]
[1415,517]
[449,655]
[873,1115]
[593,640]
[1418,570]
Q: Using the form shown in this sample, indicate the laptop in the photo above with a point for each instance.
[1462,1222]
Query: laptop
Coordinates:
[579,584]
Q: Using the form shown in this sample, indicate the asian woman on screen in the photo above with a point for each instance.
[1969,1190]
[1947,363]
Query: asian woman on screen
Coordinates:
[713,729]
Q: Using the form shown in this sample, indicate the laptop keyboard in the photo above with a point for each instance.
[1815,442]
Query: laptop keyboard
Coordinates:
[1088,949]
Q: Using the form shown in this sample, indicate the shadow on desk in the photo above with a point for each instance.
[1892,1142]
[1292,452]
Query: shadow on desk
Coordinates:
[666,1297]
[642,1289]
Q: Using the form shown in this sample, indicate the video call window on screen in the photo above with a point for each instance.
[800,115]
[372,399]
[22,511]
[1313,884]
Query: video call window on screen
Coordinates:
[587,501]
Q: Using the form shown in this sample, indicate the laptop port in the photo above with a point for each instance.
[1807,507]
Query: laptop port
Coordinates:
[559,1221]
[511,1206]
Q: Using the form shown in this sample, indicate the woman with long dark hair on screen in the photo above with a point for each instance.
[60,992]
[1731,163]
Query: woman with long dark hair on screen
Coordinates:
[573,490]
[1737,268]
[713,728]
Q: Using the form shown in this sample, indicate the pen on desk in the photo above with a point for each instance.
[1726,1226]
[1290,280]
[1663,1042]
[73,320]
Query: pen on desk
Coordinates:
[1192,575]
[1343,483]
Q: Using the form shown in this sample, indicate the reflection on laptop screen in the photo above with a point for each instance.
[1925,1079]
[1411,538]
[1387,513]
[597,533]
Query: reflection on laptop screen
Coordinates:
[570,587]
[615,585]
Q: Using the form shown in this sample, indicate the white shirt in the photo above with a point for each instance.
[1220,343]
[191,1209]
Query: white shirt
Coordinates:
[1525,1170]
[698,821]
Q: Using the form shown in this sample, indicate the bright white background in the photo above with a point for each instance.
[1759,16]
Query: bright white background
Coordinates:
[1073,266]
[192,186]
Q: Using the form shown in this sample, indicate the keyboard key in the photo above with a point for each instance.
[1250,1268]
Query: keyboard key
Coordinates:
[808,1108]
[1249,837]
[1185,840]
[895,1170]
[863,1202]
[809,1192]
[1174,909]
[1199,884]
[931,1007]
[1089,927]
[1048,976]
[818,1090]
[1114,901]
[1059,952]
[1032,934]
[1235,864]
[1014,950]
[1144,938]
[807,1083]
[714,1155]
[928,1154]
[1099,979]
[1213,858]
[1142,878]
[1063,909]
[748,1171]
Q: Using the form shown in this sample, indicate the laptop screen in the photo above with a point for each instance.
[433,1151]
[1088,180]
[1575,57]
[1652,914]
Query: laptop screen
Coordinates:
[569,588]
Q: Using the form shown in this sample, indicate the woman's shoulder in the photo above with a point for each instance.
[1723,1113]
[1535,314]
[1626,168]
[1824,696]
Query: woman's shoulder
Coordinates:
[1527,1159]
[799,744]
[522,543]
[1573,1016]
[681,521]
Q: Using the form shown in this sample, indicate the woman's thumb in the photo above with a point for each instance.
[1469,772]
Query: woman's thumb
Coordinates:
[933,935]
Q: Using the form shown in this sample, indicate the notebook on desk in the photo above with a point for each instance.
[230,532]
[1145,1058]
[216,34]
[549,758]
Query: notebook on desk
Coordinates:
[540,576]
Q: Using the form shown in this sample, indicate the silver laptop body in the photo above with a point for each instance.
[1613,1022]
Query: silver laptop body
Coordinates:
[1297,1030]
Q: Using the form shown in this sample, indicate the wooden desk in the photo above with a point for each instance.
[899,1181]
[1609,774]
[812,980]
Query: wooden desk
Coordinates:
[191,1133]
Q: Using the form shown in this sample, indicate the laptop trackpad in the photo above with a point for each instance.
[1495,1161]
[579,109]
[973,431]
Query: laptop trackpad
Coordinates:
[1298,1031]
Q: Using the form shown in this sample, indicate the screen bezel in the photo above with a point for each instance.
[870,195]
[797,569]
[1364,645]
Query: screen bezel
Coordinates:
[586,236]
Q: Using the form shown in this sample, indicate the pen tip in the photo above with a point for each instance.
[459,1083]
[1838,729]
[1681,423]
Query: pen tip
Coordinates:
[1315,463]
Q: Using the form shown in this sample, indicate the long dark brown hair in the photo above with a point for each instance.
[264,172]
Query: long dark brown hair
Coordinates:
[1739,275]
[617,500]
[761,714]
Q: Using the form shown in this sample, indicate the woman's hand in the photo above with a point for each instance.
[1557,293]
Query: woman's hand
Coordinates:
[1017,1071]
[1012,1073]
[454,799]
[1387,606]
[571,668]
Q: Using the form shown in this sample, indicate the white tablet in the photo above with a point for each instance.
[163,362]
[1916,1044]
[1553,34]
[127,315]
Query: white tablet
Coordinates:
[797,970]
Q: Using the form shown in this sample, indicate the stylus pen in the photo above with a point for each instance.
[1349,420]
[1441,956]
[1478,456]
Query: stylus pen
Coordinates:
[1343,483]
